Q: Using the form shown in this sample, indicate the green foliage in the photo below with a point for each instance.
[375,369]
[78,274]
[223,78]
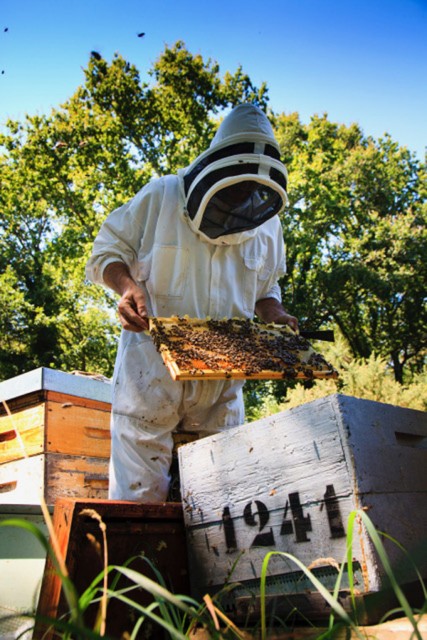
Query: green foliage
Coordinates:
[60,176]
[339,617]
[355,230]
[179,615]
[356,239]
[369,378]
[14,310]
[188,91]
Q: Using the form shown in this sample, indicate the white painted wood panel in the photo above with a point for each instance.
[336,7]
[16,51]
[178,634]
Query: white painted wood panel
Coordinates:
[22,481]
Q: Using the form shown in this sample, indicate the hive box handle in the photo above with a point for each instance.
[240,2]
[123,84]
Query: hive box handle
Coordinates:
[412,440]
[8,435]
[6,487]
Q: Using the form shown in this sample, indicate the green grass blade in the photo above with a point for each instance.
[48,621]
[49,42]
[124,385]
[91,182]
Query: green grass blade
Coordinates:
[148,611]
[153,587]
[333,603]
[168,611]
[376,540]
[68,629]
[409,557]
[68,587]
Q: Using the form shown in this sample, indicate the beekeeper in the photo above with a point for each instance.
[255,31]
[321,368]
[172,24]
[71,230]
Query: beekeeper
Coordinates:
[204,242]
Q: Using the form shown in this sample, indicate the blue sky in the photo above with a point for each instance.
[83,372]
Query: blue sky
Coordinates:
[359,61]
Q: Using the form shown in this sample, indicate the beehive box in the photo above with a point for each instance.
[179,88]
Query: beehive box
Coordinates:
[288,483]
[54,437]
[141,532]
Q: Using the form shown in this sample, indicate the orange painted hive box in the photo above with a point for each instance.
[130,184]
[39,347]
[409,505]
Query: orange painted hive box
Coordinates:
[54,437]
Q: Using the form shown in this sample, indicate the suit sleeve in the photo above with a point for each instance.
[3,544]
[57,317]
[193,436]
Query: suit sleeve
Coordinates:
[120,235]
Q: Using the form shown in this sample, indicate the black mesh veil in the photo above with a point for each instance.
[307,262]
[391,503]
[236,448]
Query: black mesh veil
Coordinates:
[230,193]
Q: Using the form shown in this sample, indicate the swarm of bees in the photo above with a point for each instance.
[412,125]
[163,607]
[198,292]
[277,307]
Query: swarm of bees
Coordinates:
[235,348]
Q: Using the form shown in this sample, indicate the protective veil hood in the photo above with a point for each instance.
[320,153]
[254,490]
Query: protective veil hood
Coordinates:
[239,182]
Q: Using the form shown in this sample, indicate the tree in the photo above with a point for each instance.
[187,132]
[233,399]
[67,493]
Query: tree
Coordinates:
[371,379]
[355,228]
[356,237]
[62,173]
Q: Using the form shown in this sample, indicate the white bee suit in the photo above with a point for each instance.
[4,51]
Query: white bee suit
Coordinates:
[181,271]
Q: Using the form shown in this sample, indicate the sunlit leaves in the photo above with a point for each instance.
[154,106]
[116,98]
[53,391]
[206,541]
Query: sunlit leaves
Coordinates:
[355,228]
[356,236]
[62,173]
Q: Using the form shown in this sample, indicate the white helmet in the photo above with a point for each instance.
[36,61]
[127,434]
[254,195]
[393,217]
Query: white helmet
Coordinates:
[239,182]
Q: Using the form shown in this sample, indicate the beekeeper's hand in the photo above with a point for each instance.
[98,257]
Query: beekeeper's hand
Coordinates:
[132,306]
[271,310]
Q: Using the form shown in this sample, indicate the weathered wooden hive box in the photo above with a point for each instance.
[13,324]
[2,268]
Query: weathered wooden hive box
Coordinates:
[54,437]
[148,538]
[288,483]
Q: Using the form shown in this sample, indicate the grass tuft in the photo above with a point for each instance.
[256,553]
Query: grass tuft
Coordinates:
[180,615]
